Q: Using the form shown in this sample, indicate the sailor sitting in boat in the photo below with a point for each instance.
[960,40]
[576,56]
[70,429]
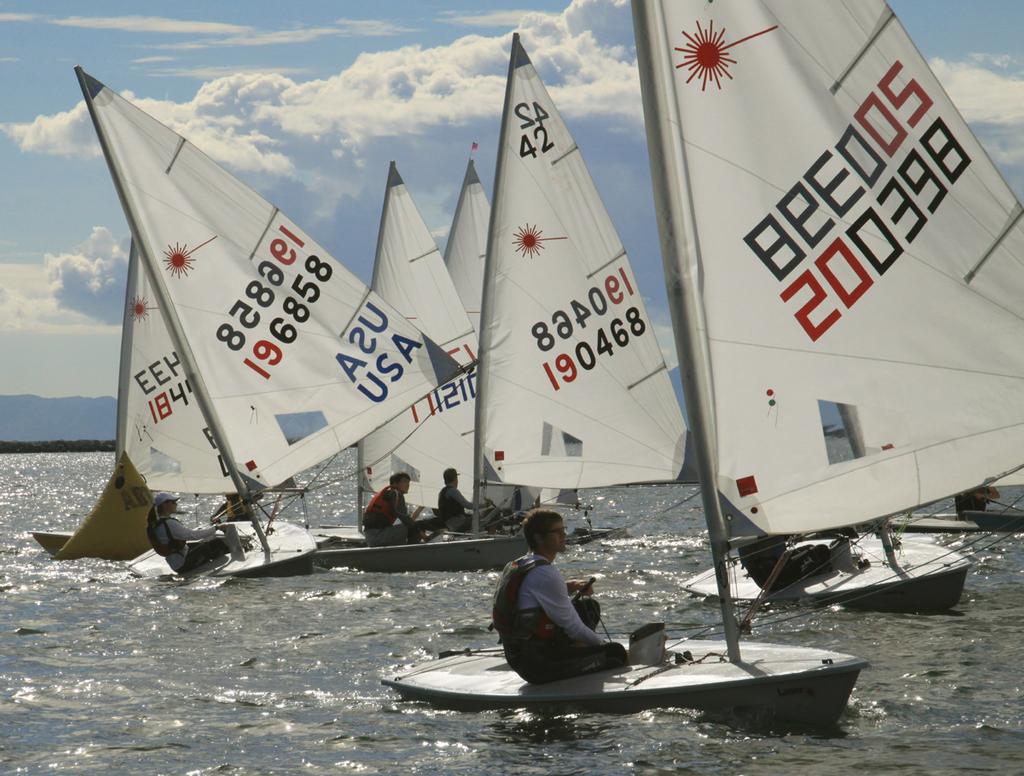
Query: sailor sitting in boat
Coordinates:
[773,566]
[975,500]
[454,509]
[386,520]
[171,539]
[545,634]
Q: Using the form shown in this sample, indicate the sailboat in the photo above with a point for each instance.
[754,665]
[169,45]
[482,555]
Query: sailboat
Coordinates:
[436,432]
[466,248]
[535,153]
[288,357]
[879,249]
[162,440]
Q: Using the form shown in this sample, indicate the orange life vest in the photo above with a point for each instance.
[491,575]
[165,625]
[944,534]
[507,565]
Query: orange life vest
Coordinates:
[380,512]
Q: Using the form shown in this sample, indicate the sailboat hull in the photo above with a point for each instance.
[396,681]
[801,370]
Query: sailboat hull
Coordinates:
[931,578]
[972,522]
[774,682]
[456,555]
[51,541]
[291,554]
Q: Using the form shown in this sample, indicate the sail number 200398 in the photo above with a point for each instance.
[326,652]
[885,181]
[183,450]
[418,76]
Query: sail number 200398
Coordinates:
[907,191]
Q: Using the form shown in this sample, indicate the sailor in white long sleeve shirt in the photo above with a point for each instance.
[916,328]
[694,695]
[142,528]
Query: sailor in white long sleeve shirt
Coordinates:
[170,537]
[545,587]
[544,636]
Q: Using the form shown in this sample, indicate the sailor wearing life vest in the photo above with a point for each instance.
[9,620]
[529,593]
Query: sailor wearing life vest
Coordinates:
[171,539]
[453,509]
[386,520]
[541,628]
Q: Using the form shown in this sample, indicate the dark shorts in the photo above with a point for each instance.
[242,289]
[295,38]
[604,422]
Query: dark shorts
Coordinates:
[203,552]
[539,661]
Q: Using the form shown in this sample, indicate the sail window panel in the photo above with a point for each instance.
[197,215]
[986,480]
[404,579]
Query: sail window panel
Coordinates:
[161,463]
[296,426]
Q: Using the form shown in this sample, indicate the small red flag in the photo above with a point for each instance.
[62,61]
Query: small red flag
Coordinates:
[474,146]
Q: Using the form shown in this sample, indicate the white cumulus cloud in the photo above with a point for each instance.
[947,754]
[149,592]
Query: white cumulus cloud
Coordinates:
[91,279]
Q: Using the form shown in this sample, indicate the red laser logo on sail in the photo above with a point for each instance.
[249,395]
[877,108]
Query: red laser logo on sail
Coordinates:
[141,308]
[178,259]
[528,240]
[706,57]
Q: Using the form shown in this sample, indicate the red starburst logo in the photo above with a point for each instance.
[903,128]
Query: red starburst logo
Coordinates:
[141,308]
[178,258]
[528,240]
[705,54]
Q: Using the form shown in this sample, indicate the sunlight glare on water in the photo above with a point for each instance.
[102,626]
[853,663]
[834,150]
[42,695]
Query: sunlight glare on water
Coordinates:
[104,673]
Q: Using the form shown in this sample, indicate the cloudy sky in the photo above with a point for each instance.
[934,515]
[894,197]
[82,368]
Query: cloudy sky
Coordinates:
[309,101]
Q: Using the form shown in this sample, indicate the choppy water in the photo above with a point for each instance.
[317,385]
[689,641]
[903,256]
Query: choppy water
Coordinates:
[104,673]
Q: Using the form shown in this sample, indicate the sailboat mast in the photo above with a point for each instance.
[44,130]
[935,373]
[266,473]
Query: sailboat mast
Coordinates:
[124,366]
[680,250]
[487,299]
[170,316]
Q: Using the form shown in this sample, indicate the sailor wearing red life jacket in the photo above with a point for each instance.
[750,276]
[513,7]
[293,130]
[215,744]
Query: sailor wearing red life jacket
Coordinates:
[386,520]
[544,636]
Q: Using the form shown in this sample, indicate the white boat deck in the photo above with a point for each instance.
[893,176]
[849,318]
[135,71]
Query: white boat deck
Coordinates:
[921,560]
[812,684]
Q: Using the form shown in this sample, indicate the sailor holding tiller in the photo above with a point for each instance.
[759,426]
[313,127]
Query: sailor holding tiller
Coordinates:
[185,549]
[545,634]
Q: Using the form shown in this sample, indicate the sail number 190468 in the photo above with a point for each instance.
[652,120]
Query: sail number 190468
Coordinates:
[573,320]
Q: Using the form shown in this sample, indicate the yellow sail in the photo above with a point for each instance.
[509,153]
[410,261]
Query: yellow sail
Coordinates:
[116,527]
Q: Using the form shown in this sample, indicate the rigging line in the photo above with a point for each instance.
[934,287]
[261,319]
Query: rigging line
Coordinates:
[695,493]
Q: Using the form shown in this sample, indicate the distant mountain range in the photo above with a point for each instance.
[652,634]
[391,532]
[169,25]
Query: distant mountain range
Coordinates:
[27,418]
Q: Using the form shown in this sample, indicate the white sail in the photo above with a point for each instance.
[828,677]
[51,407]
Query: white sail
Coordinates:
[574,389]
[437,432]
[160,425]
[855,254]
[294,357]
[467,243]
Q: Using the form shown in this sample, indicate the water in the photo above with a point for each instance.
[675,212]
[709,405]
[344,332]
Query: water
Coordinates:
[104,673]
